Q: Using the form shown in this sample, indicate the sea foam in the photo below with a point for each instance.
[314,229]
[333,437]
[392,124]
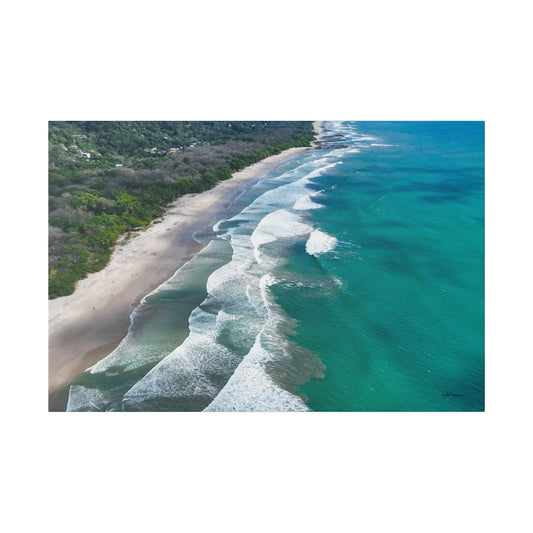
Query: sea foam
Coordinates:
[252,387]
[237,326]
[277,225]
[320,243]
[306,202]
[187,379]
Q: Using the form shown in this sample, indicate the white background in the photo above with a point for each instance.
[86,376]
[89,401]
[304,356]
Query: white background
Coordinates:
[368,472]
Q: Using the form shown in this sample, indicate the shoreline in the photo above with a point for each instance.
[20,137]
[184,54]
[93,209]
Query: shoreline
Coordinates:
[318,126]
[87,325]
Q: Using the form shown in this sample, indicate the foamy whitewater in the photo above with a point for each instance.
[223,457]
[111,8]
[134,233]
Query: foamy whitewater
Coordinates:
[320,243]
[346,278]
[236,355]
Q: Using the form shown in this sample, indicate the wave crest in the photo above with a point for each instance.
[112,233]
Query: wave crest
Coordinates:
[320,243]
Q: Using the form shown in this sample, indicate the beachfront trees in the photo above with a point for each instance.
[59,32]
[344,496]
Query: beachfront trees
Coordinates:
[106,178]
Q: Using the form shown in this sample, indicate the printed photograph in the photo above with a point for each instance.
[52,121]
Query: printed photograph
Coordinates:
[266,266]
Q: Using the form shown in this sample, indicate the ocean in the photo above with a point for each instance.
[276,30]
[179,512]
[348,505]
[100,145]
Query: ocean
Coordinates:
[350,277]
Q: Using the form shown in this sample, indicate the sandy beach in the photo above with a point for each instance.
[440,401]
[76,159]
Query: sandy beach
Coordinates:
[90,323]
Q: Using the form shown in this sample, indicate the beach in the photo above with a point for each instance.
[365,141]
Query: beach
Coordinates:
[87,325]
[317,289]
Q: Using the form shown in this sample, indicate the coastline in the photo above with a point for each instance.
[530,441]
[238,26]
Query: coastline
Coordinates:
[318,125]
[87,325]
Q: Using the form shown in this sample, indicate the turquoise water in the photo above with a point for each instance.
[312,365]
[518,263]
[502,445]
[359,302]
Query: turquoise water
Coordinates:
[406,329]
[348,279]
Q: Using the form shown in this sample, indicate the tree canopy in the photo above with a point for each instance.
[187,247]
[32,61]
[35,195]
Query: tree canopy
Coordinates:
[107,178]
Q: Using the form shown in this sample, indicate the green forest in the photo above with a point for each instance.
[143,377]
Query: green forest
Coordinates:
[110,178]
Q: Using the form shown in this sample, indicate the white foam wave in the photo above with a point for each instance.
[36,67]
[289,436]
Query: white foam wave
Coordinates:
[286,195]
[250,388]
[304,167]
[85,399]
[365,138]
[185,378]
[305,203]
[320,243]
[240,263]
[277,225]
[237,314]
[321,170]
[336,125]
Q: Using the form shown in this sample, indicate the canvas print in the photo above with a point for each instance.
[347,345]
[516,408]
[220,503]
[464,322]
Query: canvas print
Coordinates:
[266,266]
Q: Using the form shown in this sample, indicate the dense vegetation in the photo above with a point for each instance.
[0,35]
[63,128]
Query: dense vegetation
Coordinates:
[108,178]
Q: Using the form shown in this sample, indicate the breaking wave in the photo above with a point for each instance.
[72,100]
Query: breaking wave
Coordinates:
[235,353]
[320,243]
